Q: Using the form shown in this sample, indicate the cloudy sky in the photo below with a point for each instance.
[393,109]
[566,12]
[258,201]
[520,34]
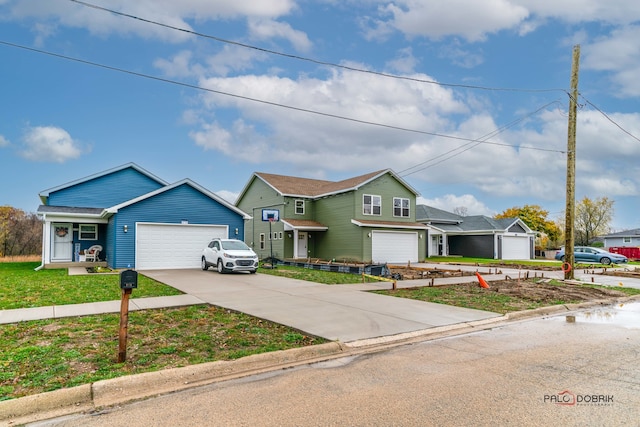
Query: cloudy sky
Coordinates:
[466,100]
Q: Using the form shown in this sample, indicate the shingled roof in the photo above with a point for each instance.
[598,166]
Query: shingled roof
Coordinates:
[294,186]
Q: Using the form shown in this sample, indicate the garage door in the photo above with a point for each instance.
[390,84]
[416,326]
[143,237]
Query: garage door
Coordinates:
[161,246]
[515,247]
[394,247]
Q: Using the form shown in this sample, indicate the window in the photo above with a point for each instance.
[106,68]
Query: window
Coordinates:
[299,207]
[371,204]
[88,232]
[401,207]
[280,235]
[262,241]
[626,240]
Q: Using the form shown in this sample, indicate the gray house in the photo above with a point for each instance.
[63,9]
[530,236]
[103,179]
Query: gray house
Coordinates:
[623,238]
[476,236]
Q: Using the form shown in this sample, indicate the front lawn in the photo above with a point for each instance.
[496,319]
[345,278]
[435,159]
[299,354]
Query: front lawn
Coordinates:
[22,287]
[44,355]
[316,276]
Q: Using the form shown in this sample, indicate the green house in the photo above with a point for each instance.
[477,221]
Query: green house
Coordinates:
[368,218]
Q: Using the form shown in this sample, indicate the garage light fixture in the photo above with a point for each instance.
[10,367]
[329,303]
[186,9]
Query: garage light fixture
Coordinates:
[125,228]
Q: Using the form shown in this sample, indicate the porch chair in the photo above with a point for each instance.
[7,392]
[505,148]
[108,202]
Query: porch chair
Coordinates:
[92,253]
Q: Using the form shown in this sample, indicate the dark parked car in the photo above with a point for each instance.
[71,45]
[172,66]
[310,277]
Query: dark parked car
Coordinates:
[593,255]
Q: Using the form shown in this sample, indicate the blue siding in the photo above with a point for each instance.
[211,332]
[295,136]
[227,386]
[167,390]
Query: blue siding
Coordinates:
[183,203]
[105,191]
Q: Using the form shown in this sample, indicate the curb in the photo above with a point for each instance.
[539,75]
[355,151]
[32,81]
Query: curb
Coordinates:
[89,397]
[92,397]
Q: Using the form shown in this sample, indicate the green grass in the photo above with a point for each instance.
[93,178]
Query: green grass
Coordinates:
[514,263]
[45,355]
[316,276]
[22,287]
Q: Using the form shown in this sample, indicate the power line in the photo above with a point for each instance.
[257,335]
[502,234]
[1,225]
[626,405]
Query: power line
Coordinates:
[275,104]
[468,146]
[610,119]
[315,61]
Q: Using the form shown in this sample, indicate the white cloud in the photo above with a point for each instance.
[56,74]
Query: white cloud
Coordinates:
[404,63]
[470,19]
[49,144]
[618,53]
[474,20]
[450,202]
[168,12]
[262,29]
[529,161]
[3,141]
[336,144]
[229,196]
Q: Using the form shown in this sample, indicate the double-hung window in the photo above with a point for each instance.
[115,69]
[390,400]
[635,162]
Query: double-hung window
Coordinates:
[401,207]
[299,207]
[88,231]
[371,205]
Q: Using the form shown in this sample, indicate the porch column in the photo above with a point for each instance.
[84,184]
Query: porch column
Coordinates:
[295,243]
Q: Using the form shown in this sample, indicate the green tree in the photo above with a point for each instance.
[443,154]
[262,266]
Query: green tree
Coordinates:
[592,218]
[536,219]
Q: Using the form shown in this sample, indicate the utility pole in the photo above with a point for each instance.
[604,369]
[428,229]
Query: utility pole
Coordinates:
[569,260]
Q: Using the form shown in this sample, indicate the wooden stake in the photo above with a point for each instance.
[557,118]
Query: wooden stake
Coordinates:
[124,322]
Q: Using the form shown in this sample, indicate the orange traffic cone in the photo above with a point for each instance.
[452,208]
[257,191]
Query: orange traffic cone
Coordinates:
[483,283]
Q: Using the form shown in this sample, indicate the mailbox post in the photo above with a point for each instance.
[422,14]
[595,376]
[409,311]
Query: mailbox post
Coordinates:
[128,282]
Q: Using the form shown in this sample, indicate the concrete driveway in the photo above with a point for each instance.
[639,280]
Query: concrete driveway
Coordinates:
[335,312]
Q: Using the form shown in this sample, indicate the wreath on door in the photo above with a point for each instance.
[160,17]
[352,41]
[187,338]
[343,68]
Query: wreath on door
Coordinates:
[62,231]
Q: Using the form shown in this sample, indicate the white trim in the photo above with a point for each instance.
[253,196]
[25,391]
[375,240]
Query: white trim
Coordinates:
[288,227]
[187,181]
[45,193]
[399,225]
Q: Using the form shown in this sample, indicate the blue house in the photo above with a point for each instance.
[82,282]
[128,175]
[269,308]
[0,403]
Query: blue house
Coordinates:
[136,219]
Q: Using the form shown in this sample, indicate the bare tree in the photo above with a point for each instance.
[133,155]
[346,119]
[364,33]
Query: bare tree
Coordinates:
[20,232]
[593,218]
[461,211]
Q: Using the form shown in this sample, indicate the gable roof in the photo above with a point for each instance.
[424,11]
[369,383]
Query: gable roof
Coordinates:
[635,232]
[429,213]
[450,222]
[292,186]
[45,193]
[186,181]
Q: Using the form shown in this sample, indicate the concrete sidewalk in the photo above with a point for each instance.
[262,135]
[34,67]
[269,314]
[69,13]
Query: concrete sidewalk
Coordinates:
[357,322]
[333,312]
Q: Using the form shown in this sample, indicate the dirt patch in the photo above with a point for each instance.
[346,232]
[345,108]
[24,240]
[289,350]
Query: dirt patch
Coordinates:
[504,296]
[542,291]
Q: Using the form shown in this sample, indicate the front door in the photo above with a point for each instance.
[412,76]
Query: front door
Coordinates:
[62,241]
[303,238]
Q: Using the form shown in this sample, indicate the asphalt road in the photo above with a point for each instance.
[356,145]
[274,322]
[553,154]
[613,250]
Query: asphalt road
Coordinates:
[540,372]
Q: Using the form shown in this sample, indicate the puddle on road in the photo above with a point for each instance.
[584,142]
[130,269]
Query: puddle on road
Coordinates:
[625,315]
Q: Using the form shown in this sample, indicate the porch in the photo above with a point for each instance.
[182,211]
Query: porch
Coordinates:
[70,264]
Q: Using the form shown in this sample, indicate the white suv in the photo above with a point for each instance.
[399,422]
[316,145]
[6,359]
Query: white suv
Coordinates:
[229,255]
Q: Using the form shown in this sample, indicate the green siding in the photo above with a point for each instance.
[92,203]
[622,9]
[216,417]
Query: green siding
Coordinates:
[387,188]
[260,196]
[343,240]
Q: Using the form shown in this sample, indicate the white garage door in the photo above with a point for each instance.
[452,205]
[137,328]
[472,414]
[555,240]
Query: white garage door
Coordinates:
[515,247]
[161,246]
[394,247]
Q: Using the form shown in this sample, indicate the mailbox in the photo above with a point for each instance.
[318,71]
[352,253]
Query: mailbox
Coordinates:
[128,279]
